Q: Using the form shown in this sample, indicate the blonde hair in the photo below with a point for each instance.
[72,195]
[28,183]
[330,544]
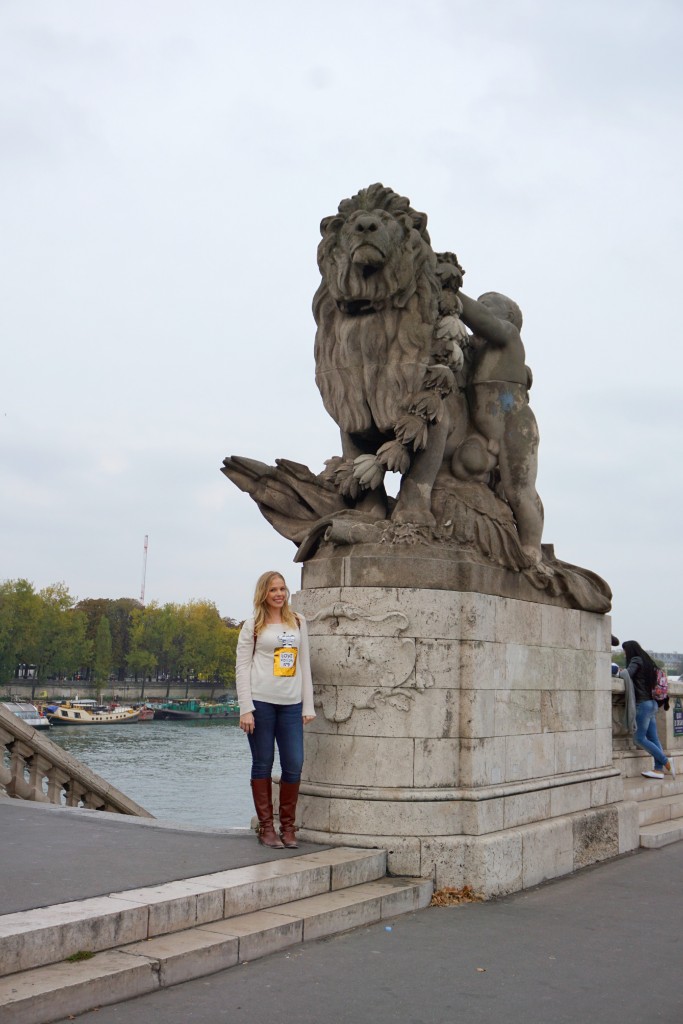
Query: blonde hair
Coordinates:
[260,607]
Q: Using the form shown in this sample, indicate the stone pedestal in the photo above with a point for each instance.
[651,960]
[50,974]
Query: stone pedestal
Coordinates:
[469,735]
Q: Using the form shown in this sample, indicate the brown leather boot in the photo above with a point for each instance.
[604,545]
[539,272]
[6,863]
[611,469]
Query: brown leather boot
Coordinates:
[263,802]
[289,794]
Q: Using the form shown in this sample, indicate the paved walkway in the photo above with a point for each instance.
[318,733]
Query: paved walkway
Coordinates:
[603,945]
[53,854]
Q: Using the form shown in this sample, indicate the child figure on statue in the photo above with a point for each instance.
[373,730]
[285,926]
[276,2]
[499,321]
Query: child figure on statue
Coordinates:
[498,396]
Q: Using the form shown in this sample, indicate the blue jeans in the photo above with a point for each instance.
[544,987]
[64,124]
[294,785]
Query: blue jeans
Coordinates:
[281,724]
[646,732]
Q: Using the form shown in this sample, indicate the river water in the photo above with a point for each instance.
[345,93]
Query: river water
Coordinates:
[192,773]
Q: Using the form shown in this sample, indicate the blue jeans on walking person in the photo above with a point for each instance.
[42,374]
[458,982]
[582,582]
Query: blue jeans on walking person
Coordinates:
[282,724]
[646,735]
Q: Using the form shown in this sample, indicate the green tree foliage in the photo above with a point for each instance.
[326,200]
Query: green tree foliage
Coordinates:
[57,650]
[41,629]
[19,609]
[142,655]
[183,641]
[119,615]
[168,642]
[157,641]
[103,660]
[209,644]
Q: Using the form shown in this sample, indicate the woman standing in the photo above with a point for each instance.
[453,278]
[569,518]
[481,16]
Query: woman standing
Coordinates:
[275,694]
[643,672]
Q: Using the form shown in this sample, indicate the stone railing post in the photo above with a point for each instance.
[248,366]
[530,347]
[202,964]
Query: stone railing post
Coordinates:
[74,793]
[56,780]
[20,756]
[6,741]
[94,802]
[38,769]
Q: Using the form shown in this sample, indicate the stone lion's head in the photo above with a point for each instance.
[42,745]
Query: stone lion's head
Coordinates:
[375,252]
[375,309]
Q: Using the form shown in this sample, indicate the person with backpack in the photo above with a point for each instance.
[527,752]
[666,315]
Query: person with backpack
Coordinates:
[646,684]
[275,695]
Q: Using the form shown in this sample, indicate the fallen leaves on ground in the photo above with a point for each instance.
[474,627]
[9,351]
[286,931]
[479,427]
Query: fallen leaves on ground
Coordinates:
[450,897]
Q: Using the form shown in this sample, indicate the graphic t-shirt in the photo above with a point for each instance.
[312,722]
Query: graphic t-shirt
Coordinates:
[275,669]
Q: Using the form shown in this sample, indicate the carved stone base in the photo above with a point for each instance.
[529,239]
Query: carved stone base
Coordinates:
[469,735]
[422,568]
[438,567]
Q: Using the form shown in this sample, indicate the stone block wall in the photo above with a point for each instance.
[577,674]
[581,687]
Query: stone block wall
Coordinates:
[447,717]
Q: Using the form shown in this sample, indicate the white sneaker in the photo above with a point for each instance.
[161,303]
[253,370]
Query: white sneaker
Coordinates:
[669,769]
[653,775]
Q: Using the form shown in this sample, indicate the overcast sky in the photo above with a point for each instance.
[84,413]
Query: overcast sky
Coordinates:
[164,169]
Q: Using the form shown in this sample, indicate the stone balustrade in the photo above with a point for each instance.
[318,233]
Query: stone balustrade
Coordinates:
[32,767]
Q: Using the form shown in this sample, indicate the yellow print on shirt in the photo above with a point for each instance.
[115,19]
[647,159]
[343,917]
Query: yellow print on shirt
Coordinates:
[285,661]
[284,657]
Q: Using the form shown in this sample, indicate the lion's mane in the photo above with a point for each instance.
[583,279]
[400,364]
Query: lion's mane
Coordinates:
[375,313]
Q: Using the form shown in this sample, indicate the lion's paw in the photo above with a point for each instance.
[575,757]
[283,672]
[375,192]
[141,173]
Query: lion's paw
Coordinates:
[413,516]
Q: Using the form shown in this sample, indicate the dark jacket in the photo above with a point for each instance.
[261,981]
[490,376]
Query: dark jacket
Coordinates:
[637,672]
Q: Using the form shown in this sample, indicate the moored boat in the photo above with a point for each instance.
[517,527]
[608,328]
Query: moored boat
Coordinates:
[90,713]
[28,713]
[192,709]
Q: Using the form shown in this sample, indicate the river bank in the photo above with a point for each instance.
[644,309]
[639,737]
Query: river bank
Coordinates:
[124,692]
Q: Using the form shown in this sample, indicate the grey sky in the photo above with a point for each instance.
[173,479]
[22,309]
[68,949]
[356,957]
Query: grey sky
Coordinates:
[164,169]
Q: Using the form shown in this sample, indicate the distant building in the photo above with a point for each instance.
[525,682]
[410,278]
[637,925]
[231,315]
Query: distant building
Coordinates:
[672,661]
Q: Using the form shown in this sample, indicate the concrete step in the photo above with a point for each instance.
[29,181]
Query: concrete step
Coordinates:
[663,808]
[632,763]
[57,990]
[642,789]
[46,935]
[660,809]
[661,833]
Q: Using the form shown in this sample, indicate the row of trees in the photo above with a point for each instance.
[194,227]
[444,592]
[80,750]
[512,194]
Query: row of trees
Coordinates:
[49,634]
[40,629]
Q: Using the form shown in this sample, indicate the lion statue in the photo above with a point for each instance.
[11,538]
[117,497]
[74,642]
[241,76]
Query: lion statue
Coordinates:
[385,357]
[399,372]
